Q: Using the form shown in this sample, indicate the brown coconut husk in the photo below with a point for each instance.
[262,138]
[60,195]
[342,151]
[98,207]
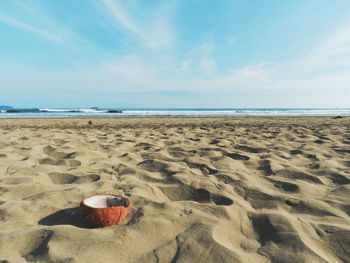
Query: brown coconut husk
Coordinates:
[106,210]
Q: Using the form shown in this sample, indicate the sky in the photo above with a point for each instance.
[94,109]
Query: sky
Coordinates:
[175,53]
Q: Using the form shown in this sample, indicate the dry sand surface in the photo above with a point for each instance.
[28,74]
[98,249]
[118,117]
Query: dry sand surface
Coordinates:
[201,189]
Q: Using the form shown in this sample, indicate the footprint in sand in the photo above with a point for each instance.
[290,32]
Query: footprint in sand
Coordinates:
[251,149]
[265,167]
[206,169]
[313,207]
[3,213]
[312,157]
[62,178]
[153,165]
[59,158]
[15,180]
[59,142]
[319,141]
[143,146]
[179,152]
[49,161]
[189,193]
[276,235]
[287,187]
[295,174]
[259,199]
[65,178]
[51,151]
[346,163]
[226,179]
[237,156]
[340,179]
[295,152]
[40,246]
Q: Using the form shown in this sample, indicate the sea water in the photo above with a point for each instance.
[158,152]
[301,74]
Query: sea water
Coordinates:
[188,112]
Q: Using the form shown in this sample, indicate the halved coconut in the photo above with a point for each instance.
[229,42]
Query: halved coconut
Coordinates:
[105,210]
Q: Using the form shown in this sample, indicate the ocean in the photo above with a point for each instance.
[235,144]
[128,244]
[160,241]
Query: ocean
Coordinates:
[120,112]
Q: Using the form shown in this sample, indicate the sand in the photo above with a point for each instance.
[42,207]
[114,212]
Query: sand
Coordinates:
[201,189]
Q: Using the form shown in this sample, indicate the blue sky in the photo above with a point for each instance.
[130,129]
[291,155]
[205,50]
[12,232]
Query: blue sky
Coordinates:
[185,53]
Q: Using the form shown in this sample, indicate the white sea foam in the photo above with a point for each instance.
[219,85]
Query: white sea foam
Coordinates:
[76,112]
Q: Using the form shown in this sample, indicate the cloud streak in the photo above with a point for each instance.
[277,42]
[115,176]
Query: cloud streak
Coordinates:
[158,33]
[121,16]
[31,29]
[338,42]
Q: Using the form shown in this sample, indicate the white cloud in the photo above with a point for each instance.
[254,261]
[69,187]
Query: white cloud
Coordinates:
[337,42]
[24,5]
[231,41]
[272,84]
[186,65]
[332,51]
[154,34]
[200,60]
[121,16]
[207,65]
[131,71]
[31,29]
[44,25]
[247,78]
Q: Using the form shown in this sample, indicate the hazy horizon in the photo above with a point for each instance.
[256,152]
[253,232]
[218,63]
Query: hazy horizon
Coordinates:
[175,54]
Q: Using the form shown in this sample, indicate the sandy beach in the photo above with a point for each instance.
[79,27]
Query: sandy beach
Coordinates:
[201,189]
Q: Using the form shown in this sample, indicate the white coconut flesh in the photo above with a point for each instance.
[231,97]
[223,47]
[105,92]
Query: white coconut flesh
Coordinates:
[104,201]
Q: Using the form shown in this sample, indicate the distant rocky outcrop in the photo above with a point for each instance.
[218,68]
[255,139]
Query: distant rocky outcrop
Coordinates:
[22,110]
[337,117]
[4,107]
[114,111]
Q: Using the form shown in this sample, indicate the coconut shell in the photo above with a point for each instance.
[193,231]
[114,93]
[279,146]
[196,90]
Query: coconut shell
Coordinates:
[106,216]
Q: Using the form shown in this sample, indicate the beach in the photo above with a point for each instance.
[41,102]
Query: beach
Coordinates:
[242,189]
